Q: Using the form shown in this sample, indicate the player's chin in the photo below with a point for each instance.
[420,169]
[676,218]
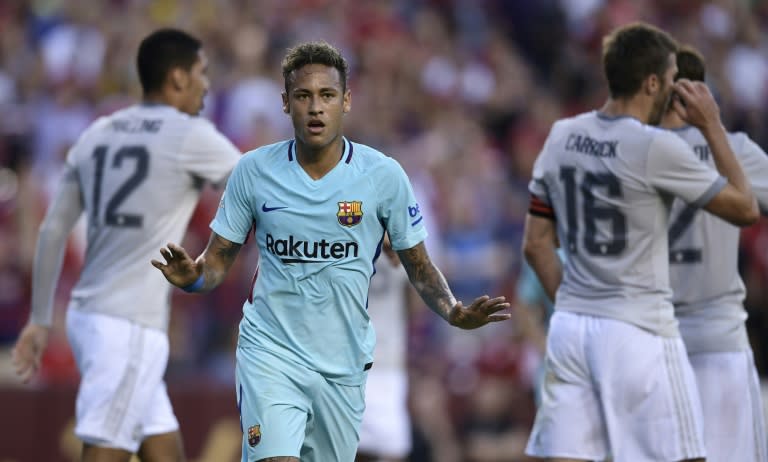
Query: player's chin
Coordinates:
[316,141]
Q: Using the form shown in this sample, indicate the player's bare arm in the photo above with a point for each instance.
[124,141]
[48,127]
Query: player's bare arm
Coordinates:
[59,220]
[540,250]
[431,285]
[735,203]
[212,265]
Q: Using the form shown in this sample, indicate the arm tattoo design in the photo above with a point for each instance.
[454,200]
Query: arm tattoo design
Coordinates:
[223,254]
[428,281]
[225,249]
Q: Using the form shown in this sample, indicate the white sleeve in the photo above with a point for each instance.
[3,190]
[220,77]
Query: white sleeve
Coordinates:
[59,220]
[754,162]
[673,167]
[538,185]
[206,153]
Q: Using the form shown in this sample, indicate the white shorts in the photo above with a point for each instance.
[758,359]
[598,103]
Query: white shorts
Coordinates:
[122,396]
[734,426]
[386,427]
[612,388]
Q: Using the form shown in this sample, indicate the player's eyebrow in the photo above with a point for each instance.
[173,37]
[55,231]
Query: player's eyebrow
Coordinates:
[321,90]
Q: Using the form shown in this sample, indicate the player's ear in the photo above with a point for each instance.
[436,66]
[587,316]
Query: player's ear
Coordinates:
[651,84]
[179,78]
[286,106]
[347,101]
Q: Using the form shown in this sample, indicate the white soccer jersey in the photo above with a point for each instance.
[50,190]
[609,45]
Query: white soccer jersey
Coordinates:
[387,309]
[610,181]
[141,170]
[708,291]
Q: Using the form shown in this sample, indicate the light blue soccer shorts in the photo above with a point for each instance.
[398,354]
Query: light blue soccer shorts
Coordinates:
[289,410]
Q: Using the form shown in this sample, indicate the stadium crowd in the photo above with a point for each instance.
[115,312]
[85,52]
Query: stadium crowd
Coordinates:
[461,92]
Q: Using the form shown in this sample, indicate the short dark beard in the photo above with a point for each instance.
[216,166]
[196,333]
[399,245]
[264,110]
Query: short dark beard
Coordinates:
[658,110]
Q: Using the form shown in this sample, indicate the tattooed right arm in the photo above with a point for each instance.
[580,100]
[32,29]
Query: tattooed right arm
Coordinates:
[216,260]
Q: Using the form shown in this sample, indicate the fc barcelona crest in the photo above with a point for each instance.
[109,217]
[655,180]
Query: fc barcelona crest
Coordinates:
[254,435]
[350,213]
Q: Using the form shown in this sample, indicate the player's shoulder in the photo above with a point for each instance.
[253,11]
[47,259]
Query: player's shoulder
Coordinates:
[107,121]
[576,119]
[363,154]
[671,137]
[99,130]
[152,118]
[738,141]
[738,135]
[269,154]
[563,131]
[197,125]
[592,123]
[566,124]
[284,148]
[369,159]
[97,126]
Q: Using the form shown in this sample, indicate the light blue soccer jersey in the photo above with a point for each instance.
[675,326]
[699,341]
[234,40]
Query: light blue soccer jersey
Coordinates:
[318,240]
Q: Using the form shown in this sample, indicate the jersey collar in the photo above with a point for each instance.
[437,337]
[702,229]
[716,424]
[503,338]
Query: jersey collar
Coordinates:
[347,150]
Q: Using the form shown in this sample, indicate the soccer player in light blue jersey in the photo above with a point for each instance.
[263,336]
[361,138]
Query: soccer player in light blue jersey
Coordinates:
[320,205]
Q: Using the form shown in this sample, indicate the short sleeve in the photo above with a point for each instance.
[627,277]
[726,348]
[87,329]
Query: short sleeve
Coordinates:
[73,155]
[538,185]
[206,153]
[235,215]
[673,167]
[754,162]
[399,210]
[71,159]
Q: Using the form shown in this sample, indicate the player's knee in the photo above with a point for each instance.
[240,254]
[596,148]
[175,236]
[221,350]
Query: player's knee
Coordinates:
[162,448]
[93,453]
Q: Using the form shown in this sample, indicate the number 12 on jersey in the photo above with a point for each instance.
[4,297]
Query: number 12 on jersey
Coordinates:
[584,211]
[135,157]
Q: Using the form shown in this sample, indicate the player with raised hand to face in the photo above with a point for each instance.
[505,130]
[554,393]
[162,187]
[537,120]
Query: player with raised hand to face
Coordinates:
[320,205]
[617,378]
[137,176]
[708,295]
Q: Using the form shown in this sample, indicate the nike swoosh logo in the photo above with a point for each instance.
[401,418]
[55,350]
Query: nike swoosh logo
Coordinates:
[264,208]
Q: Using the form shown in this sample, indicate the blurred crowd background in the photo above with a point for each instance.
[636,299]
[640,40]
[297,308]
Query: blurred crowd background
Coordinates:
[461,92]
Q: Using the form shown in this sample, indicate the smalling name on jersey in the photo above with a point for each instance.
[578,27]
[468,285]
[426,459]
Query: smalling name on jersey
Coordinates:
[137,125]
[587,145]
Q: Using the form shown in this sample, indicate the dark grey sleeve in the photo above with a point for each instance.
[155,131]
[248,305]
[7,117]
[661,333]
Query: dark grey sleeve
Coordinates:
[59,220]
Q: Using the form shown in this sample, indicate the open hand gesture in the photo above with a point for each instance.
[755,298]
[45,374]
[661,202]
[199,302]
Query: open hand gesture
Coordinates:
[482,311]
[28,351]
[179,268]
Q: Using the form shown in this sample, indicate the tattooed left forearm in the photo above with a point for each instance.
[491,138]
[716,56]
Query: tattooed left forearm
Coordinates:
[428,281]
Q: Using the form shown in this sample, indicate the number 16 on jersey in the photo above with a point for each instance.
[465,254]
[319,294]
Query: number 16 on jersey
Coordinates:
[585,212]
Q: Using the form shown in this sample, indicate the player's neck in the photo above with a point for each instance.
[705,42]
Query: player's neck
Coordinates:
[318,162]
[156,99]
[632,107]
